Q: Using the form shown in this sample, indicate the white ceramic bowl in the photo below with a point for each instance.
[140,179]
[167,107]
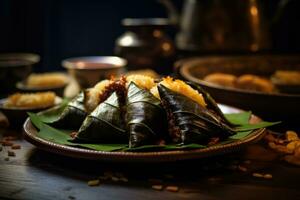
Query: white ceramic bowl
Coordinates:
[87,71]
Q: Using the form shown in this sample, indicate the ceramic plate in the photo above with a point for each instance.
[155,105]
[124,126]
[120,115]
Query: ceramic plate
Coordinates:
[156,156]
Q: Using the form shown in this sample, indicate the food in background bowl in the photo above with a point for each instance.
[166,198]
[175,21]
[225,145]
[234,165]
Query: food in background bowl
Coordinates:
[16,106]
[53,81]
[30,100]
[287,81]
[227,80]
[47,80]
[281,105]
[255,83]
[286,77]
[245,82]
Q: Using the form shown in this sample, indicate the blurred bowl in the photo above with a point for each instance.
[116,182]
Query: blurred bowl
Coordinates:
[272,106]
[58,90]
[16,115]
[87,71]
[15,67]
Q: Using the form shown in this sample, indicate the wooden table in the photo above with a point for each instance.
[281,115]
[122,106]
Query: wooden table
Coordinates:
[35,174]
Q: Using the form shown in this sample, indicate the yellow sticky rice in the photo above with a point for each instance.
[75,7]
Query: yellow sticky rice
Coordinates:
[47,80]
[181,88]
[31,100]
[144,82]
[93,95]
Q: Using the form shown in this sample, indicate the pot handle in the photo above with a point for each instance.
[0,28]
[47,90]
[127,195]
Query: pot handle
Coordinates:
[279,11]
[173,14]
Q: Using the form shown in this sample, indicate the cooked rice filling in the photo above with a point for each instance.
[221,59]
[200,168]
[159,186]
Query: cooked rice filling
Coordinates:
[31,100]
[92,96]
[181,88]
[142,81]
[46,80]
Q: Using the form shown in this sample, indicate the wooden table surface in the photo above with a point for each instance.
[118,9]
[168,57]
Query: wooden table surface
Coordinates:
[36,174]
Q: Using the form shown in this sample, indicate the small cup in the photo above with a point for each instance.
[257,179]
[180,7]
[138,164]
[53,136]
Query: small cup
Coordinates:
[88,71]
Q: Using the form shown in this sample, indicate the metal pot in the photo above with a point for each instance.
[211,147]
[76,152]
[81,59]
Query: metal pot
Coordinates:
[223,25]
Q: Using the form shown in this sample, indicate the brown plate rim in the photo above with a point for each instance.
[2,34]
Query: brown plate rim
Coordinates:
[154,156]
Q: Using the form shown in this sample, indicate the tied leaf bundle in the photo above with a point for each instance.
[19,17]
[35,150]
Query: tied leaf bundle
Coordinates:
[59,136]
[73,114]
[189,122]
[104,124]
[145,118]
[140,115]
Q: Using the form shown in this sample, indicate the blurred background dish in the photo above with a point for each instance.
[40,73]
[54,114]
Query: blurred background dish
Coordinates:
[15,67]
[16,106]
[42,82]
[87,71]
[273,105]
[287,81]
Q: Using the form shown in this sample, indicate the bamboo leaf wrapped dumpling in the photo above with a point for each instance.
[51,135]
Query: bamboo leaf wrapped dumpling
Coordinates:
[189,120]
[211,103]
[145,118]
[84,103]
[73,115]
[105,124]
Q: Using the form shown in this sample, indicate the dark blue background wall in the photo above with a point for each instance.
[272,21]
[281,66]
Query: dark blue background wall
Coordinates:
[57,29]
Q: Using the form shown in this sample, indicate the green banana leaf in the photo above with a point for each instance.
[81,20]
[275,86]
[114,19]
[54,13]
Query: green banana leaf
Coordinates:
[73,114]
[63,137]
[105,124]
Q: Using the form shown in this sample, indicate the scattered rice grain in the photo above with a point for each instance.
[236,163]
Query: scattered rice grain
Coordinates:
[268,176]
[94,182]
[7,143]
[11,153]
[10,138]
[16,146]
[243,169]
[115,179]
[258,175]
[157,187]
[172,188]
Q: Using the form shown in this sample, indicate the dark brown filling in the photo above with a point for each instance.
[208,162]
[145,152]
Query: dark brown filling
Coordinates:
[173,129]
[118,86]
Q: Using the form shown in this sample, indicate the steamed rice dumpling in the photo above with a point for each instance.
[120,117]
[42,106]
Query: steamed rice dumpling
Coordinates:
[145,118]
[190,121]
[180,87]
[138,111]
[73,115]
[101,91]
[105,124]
